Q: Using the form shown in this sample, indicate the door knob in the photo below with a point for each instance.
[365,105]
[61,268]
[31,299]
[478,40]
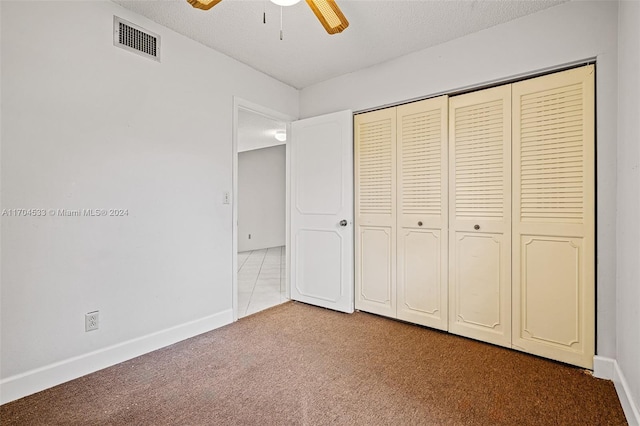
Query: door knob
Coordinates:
[476,227]
[343,222]
[420,223]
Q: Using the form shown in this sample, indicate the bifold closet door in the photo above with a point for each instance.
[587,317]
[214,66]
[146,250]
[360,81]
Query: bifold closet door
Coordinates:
[375,206]
[480,215]
[554,216]
[422,212]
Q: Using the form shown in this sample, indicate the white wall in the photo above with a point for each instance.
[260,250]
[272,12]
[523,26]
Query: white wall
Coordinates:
[628,233]
[86,125]
[559,35]
[261,198]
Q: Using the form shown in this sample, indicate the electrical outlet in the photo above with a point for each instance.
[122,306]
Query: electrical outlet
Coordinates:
[91,321]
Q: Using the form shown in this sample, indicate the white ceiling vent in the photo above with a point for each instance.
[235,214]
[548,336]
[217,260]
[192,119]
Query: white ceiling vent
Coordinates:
[136,39]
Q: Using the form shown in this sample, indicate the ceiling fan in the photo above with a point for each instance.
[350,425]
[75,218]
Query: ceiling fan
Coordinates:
[327,11]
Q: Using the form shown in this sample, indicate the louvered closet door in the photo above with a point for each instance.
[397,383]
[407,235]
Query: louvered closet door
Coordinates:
[375,203]
[554,223]
[480,220]
[422,212]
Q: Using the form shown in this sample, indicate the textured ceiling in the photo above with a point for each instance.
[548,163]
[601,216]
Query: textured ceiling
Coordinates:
[256,131]
[378,31]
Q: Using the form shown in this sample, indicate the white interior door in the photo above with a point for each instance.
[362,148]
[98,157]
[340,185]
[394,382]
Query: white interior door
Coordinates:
[322,211]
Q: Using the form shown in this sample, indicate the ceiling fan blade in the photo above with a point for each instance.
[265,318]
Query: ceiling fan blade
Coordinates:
[203,4]
[329,14]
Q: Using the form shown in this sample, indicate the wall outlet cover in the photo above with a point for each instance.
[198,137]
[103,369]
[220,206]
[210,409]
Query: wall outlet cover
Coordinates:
[91,321]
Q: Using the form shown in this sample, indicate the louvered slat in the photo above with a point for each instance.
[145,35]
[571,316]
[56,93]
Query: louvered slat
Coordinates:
[552,161]
[375,157]
[479,159]
[421,157]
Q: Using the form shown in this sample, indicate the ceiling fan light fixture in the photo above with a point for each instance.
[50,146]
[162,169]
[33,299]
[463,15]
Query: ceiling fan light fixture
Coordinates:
[285,2]
[203,4]
[329,14]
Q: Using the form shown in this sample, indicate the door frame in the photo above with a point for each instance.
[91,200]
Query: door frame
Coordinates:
[243,104]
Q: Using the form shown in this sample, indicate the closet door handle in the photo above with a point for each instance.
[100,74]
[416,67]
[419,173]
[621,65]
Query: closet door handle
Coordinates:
[476,227]
[420,223]
[343,222]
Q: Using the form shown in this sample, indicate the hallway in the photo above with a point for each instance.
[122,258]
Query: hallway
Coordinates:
[261,280]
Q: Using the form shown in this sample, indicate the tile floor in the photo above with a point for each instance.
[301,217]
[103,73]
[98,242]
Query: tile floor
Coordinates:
[261,280]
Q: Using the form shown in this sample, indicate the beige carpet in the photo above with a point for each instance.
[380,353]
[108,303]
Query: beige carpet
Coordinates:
[300,365]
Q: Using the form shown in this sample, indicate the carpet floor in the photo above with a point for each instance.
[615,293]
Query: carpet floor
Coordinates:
[296,364]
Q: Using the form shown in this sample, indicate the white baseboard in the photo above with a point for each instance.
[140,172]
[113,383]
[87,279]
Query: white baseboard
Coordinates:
[33,381]
[608,368]
[624,393]
[603,367]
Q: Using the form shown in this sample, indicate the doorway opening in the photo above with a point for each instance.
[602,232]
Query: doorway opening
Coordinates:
[260,208]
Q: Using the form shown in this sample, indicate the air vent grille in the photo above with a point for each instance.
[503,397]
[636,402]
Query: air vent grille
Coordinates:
[135,39]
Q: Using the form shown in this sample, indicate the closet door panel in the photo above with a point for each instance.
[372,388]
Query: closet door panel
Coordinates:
[422,212]
[419,274]
[554,216]
[480,215]
[479,277]
[375,206]
[376,272]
